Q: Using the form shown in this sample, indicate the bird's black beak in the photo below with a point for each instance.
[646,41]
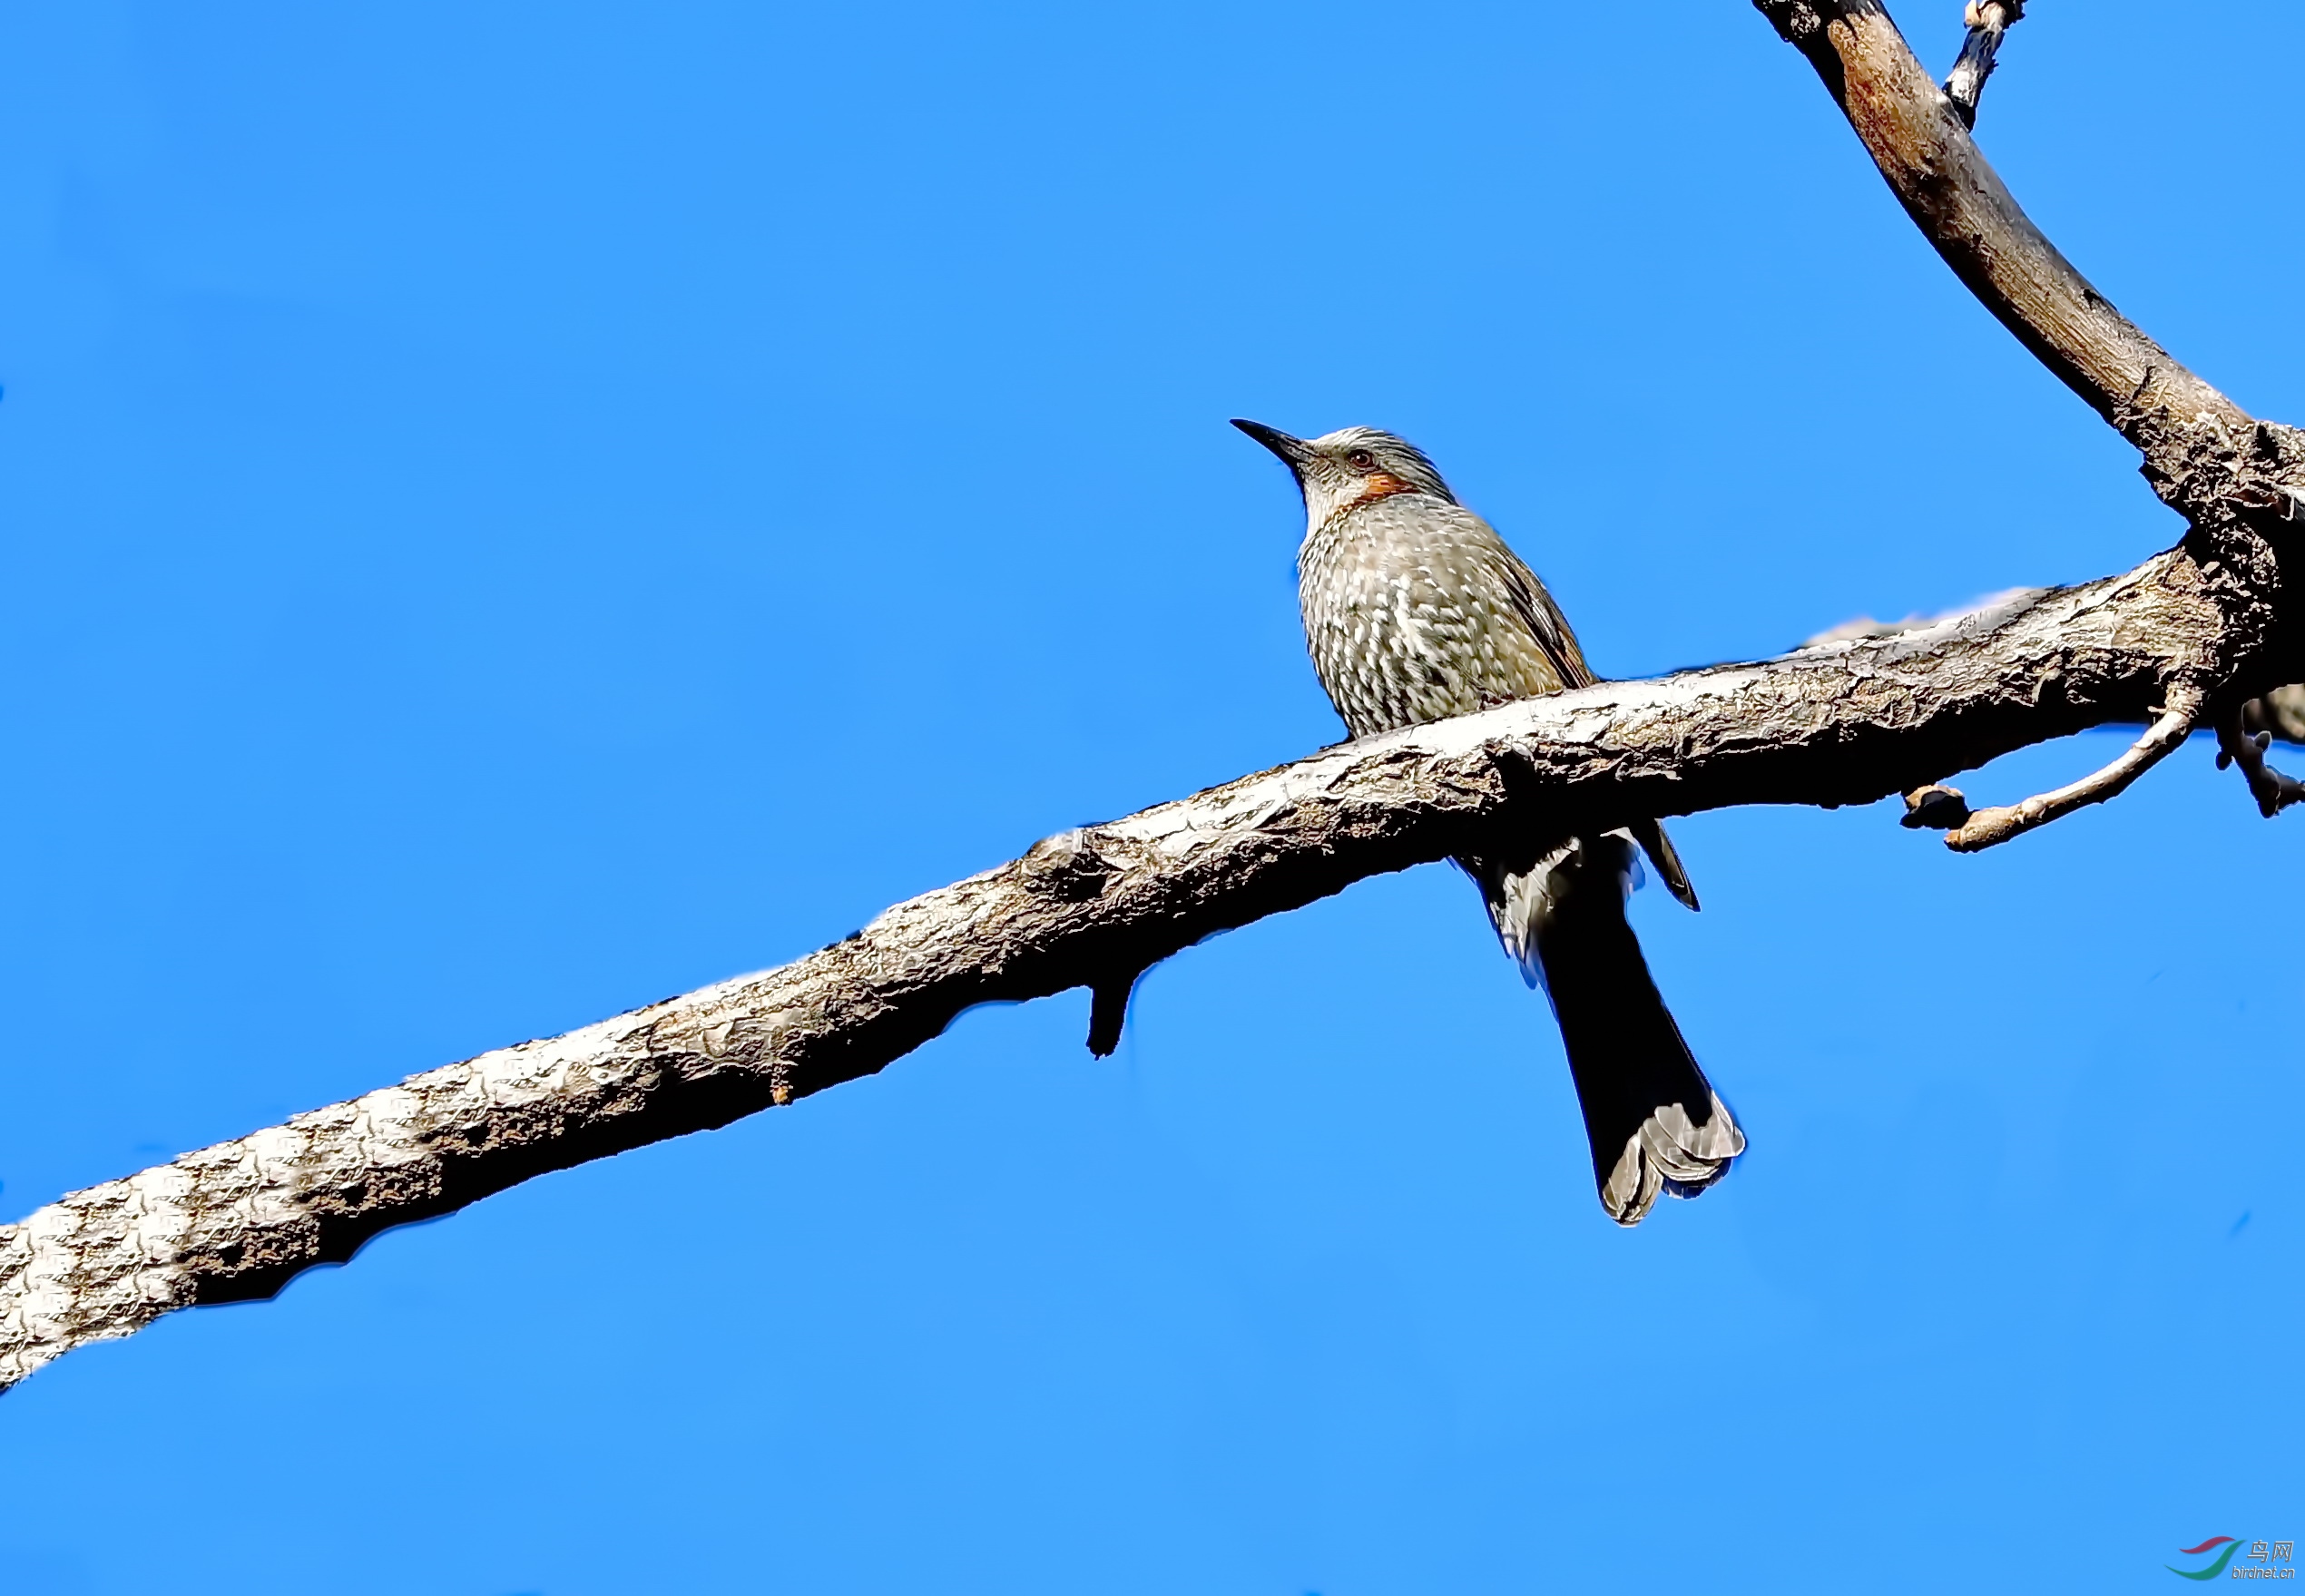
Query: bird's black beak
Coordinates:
[1293,451]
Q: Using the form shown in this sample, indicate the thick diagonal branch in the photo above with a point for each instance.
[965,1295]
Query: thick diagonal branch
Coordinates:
[1839,724]
[2202,453]
[2238,482]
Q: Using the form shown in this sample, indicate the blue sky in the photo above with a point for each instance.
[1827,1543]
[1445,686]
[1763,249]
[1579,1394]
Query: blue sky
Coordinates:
[512,512]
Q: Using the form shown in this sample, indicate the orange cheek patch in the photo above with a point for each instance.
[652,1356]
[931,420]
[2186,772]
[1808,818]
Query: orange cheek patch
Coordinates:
[1381,484]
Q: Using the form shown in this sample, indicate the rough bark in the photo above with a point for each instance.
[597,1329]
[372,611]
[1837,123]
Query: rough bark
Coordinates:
[1844,721]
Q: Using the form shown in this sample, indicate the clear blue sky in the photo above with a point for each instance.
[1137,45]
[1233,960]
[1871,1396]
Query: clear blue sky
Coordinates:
[513,512]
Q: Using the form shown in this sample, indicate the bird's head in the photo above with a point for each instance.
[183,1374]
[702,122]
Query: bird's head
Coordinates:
[1351,466]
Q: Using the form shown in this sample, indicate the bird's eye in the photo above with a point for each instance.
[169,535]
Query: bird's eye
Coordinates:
[1361,460]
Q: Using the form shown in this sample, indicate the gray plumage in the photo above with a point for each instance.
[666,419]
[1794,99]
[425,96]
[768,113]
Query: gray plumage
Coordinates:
[1414,609]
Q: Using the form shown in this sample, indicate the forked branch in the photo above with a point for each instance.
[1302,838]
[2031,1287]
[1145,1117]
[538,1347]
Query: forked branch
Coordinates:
[2238,482]
[1841,723]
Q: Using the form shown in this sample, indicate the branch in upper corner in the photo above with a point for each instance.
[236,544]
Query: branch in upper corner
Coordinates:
[2196,442]
[2236,745]
[1987,827]
[1987,20]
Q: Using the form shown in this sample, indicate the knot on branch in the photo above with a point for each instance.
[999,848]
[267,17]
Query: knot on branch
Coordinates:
[2198,468]
[2266,498]
[1070,865]
[2264,482]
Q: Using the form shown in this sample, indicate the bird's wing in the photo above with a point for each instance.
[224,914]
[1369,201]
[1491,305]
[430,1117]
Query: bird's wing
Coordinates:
[1550,627]
[1535,609]
[1650,835]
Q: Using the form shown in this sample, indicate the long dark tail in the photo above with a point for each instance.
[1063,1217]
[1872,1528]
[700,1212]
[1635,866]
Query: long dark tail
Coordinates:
[1654,1122]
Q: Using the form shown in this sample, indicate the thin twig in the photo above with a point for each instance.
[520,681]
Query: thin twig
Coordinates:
[1897,108]
[1987,827]
[1987,20]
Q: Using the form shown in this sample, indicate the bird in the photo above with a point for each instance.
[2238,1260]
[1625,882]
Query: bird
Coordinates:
[1415,609]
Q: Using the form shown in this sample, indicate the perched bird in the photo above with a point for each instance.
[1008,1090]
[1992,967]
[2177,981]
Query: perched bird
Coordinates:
[1415,609]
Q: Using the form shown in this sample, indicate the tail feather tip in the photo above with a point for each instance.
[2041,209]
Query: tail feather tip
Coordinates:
[1671,1154]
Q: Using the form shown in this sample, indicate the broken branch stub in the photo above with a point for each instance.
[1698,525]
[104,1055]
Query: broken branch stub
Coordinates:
[1986,21]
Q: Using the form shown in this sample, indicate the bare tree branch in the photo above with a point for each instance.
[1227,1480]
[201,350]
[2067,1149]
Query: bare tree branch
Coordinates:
[2279,714]
[2200,629]
[2204,455]
[2238,482]
[1986,21]
[1845,723]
